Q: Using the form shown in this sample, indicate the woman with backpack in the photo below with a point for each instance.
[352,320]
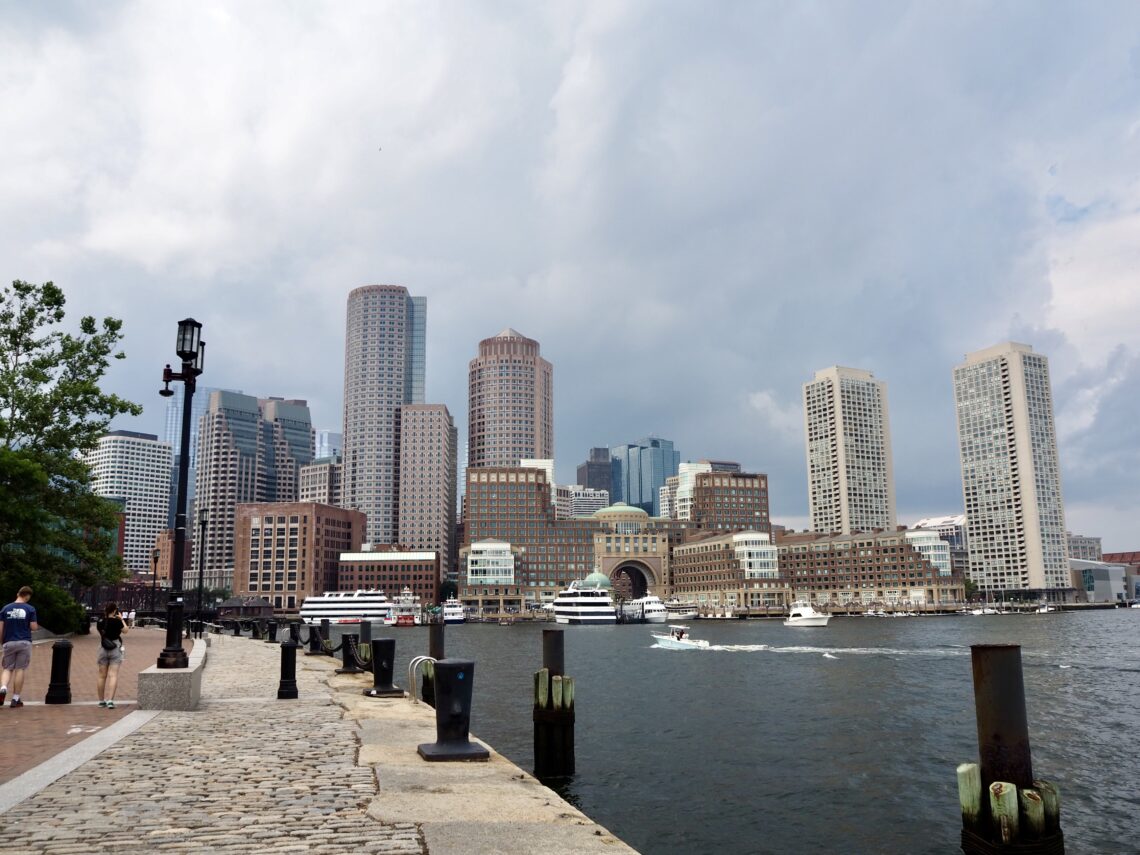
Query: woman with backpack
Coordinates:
[111,628]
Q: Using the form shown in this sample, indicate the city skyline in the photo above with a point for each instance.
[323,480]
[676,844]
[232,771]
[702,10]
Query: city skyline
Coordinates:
[689,216]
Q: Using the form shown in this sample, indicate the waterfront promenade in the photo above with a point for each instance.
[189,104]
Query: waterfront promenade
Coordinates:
[332,771]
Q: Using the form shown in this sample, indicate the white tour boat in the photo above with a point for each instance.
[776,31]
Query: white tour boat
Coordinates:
[406,610]
[453,611]
[346,607]
[677,610]
[648,609]
[678,639]
[802,614]
[588,602]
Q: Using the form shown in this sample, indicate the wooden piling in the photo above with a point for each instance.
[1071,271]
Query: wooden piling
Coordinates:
[1004,810]
[970,795]
[553,711]
[1032,809]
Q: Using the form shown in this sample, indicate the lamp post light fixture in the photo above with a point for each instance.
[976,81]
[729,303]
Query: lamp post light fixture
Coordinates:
[153,577]
[192,351]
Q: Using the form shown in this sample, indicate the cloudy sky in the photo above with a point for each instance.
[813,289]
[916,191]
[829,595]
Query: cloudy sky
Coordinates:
[692,207]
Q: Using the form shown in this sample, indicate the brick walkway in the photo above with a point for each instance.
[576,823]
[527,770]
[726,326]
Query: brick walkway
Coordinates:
[43,730]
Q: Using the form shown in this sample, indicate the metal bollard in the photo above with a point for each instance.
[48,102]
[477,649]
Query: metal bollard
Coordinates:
[316,643]
[271,633]
[325,630]
[999,702]
[348,665]
[237,629]
[454,681]
[255,630]
[436,652]
[295,632]
[287,688]
[366,633]
[383,658]
[59,689]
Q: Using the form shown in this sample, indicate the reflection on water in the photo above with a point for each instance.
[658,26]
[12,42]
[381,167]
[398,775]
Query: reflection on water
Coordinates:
[843,738]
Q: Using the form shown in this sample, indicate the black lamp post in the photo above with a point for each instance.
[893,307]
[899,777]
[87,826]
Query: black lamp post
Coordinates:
[153,578]
[201,559]
[192,351]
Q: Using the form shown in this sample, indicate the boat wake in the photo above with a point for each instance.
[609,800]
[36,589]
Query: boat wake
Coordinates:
[836,652]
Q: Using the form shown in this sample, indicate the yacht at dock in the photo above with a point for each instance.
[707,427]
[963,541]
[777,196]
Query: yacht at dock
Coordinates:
[648,609]
[587,602]
[346,607]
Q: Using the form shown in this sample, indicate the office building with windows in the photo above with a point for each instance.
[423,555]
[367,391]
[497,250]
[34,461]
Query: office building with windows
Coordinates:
[597,472]
[429,447]
[384,358]
[850,474]
[640,470]
[1011,473]
[510,402]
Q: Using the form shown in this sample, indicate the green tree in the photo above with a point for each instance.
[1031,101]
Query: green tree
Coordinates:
[55,534]
[447,589]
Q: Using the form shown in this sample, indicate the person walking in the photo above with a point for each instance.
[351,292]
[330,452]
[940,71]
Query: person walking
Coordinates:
[111,628]
[17,623]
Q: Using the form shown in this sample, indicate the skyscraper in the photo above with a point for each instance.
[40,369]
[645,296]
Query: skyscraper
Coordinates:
[383,370]
[597,472]
[510,402]
[134,468]
[251,450]
[639,471]
[851,483]
[173,436]
[429,447]
[1011,478]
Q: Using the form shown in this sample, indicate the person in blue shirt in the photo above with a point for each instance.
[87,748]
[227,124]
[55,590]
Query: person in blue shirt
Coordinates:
[17,623]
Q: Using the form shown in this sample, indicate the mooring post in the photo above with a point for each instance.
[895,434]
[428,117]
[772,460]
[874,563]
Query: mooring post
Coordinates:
[316,643]
[255,630]
[237,629]
[366,633]
[348,643]
[287,688]
[553,713]
[454,683]
[325,631]
[436,652]
[1003,807]
[383,663]
[271,633]
[59,688]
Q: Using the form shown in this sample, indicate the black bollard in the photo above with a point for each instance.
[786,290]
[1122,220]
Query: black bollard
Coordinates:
[271,633]
[237,629]
[287,688]
[999,702]
[366,633]
[325,630]
[316,643]
[295,633]
[348,643]
[436,652]
[59,688]
[255,630]
[383,657]
[553,713]
[454,681]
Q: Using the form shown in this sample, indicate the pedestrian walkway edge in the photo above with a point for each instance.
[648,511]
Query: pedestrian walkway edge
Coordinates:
[31,782]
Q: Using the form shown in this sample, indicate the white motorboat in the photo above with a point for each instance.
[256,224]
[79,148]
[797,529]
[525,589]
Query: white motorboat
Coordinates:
[346,607]
[678,610]
[453,611]
[679,639]
[406,610]
[587,602]
[802,614]
[648,609]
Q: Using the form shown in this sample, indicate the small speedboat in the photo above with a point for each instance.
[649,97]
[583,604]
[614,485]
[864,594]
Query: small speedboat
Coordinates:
[802,614]
[679,639]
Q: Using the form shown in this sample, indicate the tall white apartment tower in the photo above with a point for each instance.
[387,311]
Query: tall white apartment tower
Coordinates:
[1011,476]
[384,349]
[135,468]
[851,482]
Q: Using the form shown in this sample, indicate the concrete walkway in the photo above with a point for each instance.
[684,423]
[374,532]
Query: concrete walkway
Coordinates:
[330,772]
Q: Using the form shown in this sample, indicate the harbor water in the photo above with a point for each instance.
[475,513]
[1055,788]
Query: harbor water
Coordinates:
[840,739]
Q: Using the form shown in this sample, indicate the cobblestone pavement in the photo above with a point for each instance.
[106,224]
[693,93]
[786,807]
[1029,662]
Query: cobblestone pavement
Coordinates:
[244,773]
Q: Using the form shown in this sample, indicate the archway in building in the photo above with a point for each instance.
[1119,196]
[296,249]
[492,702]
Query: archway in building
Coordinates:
[631,580]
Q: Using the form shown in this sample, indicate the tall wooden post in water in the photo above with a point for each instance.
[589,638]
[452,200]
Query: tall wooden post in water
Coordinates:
[1004,808]
[553,711]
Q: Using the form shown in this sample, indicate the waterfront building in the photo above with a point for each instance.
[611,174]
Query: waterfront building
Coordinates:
[134,469]
[173,436]
[1099,581]
[490,562]
[861,569]
[429,447]
[633,550]
[392,570]
[667,497]
[510,402]
[724,500]
[640,469]
[1084,547]
[726,571]
[513,505]
[320,482]
[952,529]
[585,501]
[1011,476]
[251,450]
[931,547]
[384,360]
[328,444]
[597,472]
[287,551]
[848,438]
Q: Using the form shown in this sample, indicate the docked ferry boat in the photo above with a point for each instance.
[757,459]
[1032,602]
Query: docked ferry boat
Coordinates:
[676,610]
[587,602]
[346,607]
[406,610]
[453,611]
[647,609]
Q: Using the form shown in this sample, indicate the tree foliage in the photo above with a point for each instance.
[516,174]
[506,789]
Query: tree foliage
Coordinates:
[55,534]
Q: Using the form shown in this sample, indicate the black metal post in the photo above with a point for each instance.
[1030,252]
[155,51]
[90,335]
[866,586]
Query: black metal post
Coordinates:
[316,642]
[287,688]
[326,630]
[436,652]
[383,657]
[271,633]
[1003,726]
[348,662]
[554,651]
[59,689]
[454,681]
